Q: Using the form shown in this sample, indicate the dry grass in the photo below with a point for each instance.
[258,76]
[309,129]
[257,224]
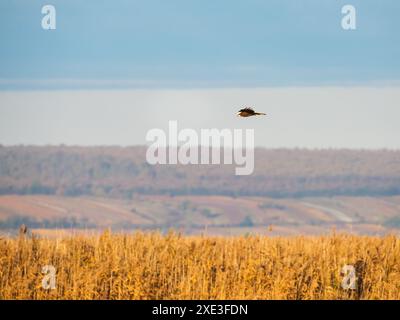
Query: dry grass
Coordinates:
[152,266]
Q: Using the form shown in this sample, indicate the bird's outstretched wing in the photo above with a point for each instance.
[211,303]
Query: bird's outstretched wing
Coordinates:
[248,110]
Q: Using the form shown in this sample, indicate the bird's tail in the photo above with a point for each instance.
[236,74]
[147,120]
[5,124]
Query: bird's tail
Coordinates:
[260,114]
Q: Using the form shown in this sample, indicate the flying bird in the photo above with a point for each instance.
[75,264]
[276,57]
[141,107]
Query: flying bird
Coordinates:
[248,112]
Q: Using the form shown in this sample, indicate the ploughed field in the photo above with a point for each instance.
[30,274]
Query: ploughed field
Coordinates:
[211,215]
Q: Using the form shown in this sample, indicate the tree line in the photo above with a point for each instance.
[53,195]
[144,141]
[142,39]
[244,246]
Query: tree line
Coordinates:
[123,172]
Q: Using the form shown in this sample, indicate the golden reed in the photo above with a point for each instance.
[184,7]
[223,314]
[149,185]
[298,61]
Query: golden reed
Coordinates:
[172,266]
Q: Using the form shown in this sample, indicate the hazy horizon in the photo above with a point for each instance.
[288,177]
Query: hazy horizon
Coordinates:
[308,117]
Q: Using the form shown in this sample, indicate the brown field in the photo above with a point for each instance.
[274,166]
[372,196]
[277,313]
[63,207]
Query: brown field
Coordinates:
[215,215]
[172,266]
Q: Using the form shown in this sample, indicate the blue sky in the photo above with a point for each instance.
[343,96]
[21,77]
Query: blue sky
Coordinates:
[320,85]
[208,43]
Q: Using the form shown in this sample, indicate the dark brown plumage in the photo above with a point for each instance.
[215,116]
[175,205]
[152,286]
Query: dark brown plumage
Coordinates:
[248,112]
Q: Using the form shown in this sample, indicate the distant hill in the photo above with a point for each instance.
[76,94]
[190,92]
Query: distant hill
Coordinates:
[122,172]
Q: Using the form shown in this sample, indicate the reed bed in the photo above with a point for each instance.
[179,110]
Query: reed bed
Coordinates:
[173,266]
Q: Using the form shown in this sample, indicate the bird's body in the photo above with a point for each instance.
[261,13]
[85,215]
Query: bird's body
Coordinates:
[248,112]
